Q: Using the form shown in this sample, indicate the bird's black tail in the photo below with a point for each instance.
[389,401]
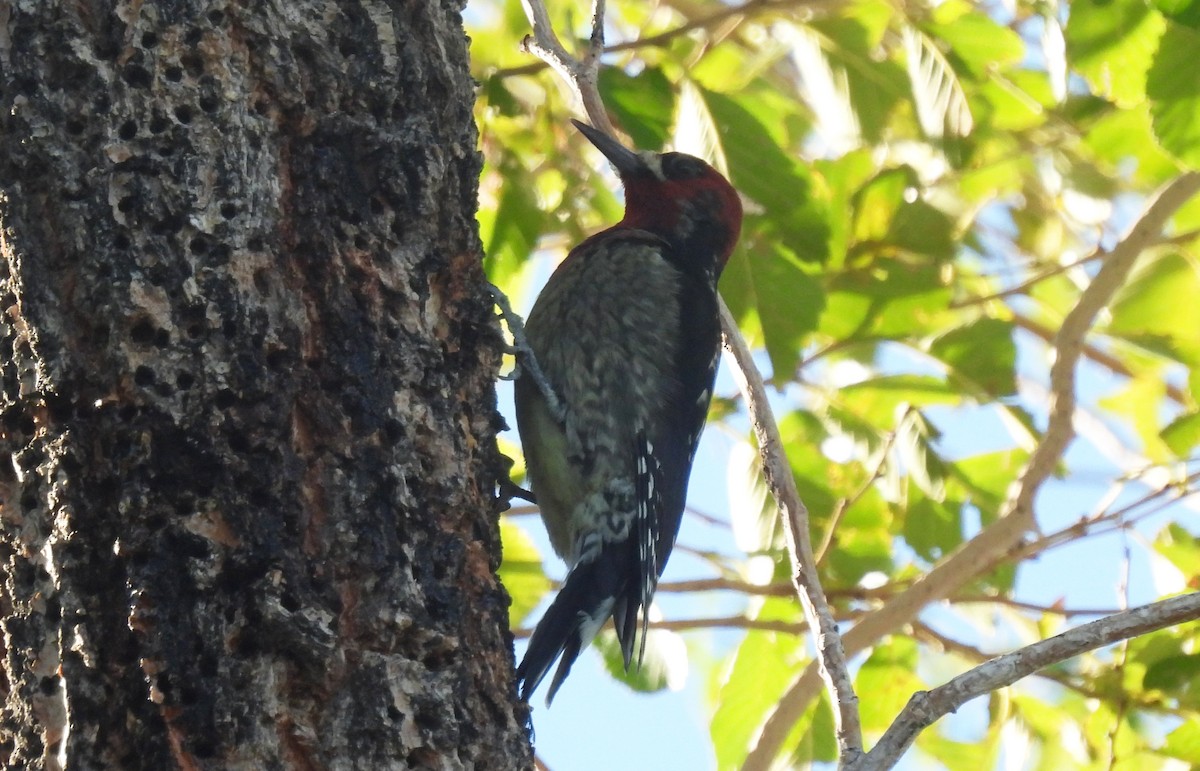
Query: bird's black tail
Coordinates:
[619,582]
[583,605]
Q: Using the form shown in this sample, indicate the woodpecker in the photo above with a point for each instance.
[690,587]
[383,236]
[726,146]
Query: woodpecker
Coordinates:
[627,336]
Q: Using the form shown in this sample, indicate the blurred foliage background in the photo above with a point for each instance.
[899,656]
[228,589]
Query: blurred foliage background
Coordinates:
[929,188]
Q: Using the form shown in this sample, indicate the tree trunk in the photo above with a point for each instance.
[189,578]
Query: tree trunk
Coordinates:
[247,391]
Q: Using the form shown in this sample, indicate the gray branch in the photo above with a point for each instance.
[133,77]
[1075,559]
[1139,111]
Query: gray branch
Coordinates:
[926,707]
[794,514]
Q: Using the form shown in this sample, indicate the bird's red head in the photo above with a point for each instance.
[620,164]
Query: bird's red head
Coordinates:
[678,197]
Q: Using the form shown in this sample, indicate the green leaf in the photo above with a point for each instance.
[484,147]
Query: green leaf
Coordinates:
[999,172]
[924,229]
[914,442]
[1157,310]
[1185,12]
[511,230]
[644,104]
[956,754]
[933,528]
[887,680]
[1007,107]
[843,177]
[823,733]
[862,548]
[1111,43]
[1044,720]
[664,666]
[521,572]
[1121,135]
[985,478]
[774,180]
[752,513]
[891,299]
[875,87]
[982,44]
[1174,93]
[889,214]
[1183,433]
[981,353]
[1140,400]
[879,400]
[1181,548]
[497,96]
[1173,674]
[813,739]
[908,389]
[1184,742]
[1048,722]
[761,668]
[788,301]
[876,204]
[802,434]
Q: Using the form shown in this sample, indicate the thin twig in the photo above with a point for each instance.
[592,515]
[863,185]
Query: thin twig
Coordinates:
[1025,286]
[596,41]
[1106,522]
[1033,607]
[995,542]
[727,585]
[708,22]
[706,518]
[1096,354]
[844,504]
[1121,660]
[581,75]
[716,622]
[881,594]
[778,475]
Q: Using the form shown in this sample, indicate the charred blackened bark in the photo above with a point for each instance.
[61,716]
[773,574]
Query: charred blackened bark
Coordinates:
[247,391]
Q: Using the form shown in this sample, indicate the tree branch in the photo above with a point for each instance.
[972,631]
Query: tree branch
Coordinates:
[925,707]
[581,74]
[714,622]
[971,653]
[1028,284]
[844,504]
[982,553]
[748,9]
[778,475]
[881,594]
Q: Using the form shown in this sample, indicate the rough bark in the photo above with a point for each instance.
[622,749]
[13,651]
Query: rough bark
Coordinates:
[247,391]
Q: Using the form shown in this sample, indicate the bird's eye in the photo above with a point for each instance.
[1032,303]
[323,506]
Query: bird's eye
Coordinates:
[681,166]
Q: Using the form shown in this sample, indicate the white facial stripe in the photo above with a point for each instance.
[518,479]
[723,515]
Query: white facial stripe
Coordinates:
[653,162]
